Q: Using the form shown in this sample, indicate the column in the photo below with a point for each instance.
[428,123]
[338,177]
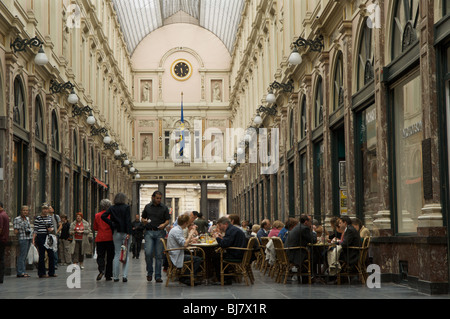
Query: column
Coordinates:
[162,189]
[229,197]
[135,200]
[204,199]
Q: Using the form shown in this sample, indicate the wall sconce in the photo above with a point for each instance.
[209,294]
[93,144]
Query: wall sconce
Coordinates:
[19,45]
[56,87]
[120,156]
[262,109]
[107,139]
[316,45]
[287,87]
[77,111]
[98,131]
[112,146]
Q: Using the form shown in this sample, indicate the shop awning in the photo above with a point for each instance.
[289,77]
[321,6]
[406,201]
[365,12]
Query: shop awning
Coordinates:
[99,182]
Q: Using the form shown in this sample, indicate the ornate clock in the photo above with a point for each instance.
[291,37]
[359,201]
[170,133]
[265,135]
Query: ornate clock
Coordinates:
[181,70]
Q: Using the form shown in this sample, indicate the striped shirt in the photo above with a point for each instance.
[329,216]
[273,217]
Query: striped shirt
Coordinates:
[41,224]
[23,226]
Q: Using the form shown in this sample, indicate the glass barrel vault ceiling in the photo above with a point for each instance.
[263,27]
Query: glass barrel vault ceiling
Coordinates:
[138,18]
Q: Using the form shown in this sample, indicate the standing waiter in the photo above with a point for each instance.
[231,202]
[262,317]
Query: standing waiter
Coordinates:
[155,218]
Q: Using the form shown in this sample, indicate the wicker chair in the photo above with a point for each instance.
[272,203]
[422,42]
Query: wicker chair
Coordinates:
[264,265]
[238,267]
[284,266]
[174,273]
[360,268]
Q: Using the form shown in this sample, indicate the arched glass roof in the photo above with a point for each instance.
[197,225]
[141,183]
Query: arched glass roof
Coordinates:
[138,18]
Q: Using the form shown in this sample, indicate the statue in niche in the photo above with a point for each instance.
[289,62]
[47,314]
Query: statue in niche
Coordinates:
[146,149]
[217,94]
[146,91]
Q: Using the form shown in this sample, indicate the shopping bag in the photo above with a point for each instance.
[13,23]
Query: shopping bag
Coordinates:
[33,256]
[124,252]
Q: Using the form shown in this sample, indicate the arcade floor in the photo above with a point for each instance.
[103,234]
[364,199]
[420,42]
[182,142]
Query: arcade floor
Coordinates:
[137,287]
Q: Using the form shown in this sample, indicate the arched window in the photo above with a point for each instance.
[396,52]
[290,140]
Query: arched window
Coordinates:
[92,162]
[38,120]
[75,147]
[291,129]
[19,110]
[318,107]
[405,26]
[338,87]
[85,155]
[303,126]
[99,172]
[365,57]
[55,132]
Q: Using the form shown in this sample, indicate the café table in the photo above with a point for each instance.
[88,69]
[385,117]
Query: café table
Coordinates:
[319,253]
[209,249]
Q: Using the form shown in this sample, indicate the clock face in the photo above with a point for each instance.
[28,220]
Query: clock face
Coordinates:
[181,70]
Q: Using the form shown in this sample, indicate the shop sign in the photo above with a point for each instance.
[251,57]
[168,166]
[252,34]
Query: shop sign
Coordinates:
[413,129]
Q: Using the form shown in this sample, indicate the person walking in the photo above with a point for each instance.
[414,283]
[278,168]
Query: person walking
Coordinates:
[65,240]
[80,229]
[22,229]
[119,219]
[43,227]
[155,218]
[138,235]
[104,242]
[4,238]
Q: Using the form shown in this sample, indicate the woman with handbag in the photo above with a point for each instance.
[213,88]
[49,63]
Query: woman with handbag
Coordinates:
[120,222]
[80,231]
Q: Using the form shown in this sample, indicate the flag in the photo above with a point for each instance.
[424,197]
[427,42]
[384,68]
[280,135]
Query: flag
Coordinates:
[182,142]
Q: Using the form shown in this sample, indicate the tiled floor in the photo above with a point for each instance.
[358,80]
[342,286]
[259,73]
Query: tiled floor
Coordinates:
[138,288]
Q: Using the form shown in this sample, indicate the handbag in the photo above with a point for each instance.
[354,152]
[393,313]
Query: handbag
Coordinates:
[124,251]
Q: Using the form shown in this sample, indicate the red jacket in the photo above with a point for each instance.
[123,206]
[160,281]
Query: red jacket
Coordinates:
[104,232]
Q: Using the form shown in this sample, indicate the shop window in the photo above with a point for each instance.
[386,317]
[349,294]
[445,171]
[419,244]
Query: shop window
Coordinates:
[408,153]
[366,122]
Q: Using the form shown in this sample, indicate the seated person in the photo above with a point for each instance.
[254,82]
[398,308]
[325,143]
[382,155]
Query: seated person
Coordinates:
[176,240]
[264,230]
[277,227]
[228,235]
[351,238]
[363,231]
[334,233]
[290,224]
[301,235]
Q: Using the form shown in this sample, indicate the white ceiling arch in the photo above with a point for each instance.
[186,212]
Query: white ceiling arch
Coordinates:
[138,18]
